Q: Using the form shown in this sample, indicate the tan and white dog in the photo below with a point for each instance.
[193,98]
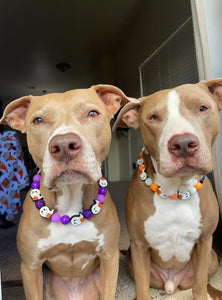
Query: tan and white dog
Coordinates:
[171,211]
[68,136]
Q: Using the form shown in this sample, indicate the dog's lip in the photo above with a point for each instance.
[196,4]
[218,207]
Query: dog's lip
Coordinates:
[184,169]
[187,169]
[70,174]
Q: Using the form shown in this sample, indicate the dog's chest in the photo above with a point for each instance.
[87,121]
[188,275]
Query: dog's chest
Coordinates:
[71,235]
[174,227]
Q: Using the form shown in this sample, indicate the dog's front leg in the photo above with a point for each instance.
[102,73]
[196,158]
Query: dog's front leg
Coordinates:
[109,267]
[200,261]
[32,281]
[141,266]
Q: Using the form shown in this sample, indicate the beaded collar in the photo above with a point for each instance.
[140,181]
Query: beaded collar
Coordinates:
[156,188]
[55,217]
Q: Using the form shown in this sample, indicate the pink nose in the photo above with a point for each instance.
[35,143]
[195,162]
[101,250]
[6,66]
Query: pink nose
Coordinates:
[65,147]
[183,145]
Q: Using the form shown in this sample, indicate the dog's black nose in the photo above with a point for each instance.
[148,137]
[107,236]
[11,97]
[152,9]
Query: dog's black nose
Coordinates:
[183,145]
[65,147]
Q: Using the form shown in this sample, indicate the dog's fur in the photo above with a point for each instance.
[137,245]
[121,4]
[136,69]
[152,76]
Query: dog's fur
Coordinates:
[68,137]
[171,239]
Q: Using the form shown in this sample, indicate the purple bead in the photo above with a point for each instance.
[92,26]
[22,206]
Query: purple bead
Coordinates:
[102,191]
[35,185]
[39,203]
[37,177]
[87,213]
[65,220]
[100,198]
[55,218]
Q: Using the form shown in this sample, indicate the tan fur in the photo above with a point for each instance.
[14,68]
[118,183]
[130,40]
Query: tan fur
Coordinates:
[88,267]
[144,262]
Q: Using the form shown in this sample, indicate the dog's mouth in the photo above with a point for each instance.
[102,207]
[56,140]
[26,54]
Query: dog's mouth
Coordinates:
[183,168]
[189,170]
[59,177]
[68,176]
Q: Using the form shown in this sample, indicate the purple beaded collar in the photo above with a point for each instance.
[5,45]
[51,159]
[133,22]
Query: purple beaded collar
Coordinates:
[46,212]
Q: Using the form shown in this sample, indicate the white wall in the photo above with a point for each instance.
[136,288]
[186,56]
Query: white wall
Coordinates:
[207,18]
[213,14]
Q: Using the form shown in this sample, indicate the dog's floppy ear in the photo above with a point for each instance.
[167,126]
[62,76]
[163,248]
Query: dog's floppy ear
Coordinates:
[128,116]
[112,96]
[215,88]
[15,113]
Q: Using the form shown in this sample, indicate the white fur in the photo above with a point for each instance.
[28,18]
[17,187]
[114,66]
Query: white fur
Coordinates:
[176,124]
[71,235]
[174,227]
[69,199]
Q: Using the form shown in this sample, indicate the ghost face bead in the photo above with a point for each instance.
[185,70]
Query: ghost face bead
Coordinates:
[46,212]
[103,182]
[184,196]
[161,194]
[35,194]
[143,176]
[77,219]
[96,207]
[140,161]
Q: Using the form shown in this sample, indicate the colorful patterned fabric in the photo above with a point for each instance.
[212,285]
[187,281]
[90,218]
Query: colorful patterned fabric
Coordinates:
[13,174]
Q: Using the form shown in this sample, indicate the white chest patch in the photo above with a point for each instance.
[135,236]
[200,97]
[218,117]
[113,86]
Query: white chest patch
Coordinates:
[71,235]
[174,227]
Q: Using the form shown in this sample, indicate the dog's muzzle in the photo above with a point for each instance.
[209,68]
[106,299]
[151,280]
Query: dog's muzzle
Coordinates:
[65,147]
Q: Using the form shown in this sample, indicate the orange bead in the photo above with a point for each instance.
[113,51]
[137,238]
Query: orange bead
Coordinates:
[141,154]
[198,186]
[174,196]
[154,187]
[141,167]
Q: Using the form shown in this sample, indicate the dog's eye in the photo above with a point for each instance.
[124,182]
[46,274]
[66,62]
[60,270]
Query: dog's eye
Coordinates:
[93,113]
[153,118]
[38,120]
[203,108]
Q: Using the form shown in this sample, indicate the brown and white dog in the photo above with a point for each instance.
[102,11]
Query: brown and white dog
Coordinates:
[171,229]
[68,136]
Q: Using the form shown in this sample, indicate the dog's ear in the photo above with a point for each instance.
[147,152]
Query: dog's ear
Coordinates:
[215,88]
[128,116]
[112,97]
[15,113]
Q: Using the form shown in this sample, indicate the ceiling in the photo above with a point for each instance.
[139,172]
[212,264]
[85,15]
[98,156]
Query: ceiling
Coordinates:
[37,35]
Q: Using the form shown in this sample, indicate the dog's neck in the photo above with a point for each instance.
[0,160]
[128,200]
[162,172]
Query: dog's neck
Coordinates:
[69,199]
[168,185]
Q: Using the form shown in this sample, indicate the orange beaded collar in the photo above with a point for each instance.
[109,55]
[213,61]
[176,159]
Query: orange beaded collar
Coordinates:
[156,188]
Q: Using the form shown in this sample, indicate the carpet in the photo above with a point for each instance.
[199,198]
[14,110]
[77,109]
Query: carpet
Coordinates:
[126,286]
